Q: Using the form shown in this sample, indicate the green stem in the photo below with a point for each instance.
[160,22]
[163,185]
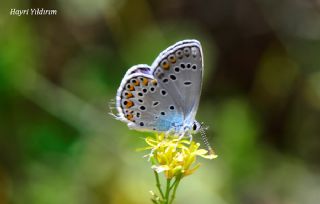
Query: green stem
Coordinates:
[158,184]
[154,202]
[167,192]
[176,184]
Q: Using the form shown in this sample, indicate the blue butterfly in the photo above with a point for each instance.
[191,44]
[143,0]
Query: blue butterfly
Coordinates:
[164,97]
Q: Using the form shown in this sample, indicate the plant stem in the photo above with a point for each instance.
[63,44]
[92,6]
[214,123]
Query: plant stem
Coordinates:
[176,183]
[158,184]
[154,202]
[166,199]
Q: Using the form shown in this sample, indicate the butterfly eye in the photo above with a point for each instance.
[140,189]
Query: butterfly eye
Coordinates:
[165,64]
[172,58]
[194,127]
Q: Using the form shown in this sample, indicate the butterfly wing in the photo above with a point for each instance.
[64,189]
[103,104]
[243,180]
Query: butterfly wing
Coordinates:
[144,104]
[179,70]
[166,95]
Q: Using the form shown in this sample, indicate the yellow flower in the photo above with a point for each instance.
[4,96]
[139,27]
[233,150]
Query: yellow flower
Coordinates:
[173,156]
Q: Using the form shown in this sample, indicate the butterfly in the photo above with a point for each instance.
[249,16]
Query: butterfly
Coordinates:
[164,97]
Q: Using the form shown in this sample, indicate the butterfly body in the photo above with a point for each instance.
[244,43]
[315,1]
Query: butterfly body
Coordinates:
[163,97]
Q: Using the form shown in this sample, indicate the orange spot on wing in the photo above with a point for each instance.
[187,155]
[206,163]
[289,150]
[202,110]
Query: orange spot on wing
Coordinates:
[137,83]
[154,82]
[165,65]
[145,81]
[130,87]
[130,116]
[129,104]
[172,59]
[130,95]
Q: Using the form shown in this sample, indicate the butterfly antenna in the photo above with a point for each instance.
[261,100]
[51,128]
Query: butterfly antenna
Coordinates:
[202,131]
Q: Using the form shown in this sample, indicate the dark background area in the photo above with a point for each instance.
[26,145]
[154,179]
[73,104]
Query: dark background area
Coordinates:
[260,98]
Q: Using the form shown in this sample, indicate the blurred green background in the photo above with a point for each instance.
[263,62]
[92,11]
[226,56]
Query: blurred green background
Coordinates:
[261,99]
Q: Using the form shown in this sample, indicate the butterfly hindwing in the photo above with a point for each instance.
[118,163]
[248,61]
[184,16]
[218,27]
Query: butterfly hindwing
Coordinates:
[142,103]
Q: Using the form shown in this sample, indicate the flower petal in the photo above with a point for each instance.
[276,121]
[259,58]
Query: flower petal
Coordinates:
[160,168]
[191,171]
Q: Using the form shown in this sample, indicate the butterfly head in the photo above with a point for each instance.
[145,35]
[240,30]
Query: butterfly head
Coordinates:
[196,126]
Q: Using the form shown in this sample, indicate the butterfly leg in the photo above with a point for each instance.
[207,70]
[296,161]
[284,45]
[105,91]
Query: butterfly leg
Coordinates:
[187,135]
[171,132]
[168,133]
[184,133]
[190,136]
[181,135]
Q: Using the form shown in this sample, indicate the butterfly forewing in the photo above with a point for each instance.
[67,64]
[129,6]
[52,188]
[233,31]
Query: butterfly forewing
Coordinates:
[179,70]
